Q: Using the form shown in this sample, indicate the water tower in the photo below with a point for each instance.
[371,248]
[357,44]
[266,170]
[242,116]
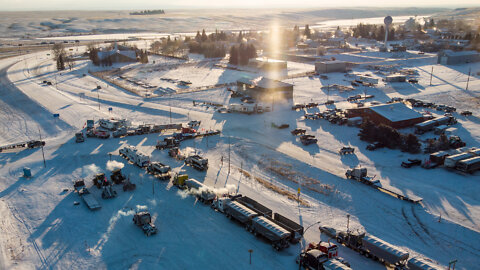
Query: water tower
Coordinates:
[388,21]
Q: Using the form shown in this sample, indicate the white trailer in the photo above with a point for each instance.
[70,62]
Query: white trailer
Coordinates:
[452,161]
[138,158]
[469,165]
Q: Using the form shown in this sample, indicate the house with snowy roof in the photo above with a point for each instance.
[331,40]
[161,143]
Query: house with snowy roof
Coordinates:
[117,55]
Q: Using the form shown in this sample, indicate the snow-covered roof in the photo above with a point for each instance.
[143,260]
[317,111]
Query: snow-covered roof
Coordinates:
[461,53]
[104,54]
[396,112]
[386,246]
[332,62]
[271,226]
[263,82]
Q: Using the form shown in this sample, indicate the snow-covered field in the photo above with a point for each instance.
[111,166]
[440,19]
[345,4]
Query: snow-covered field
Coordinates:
[42,228]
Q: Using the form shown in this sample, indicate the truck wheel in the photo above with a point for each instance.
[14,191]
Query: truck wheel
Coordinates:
[339,240]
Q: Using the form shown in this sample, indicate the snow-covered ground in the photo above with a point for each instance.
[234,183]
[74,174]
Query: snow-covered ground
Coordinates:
[42,228]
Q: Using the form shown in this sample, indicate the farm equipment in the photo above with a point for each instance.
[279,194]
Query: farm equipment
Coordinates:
[108,192]
[100,180]
[197,162]
[117,177]
[128,186]
[308,139]
[144,221]
[375,248]
[298,131]
[411,162]
[282,126]
[87,197]
[79,138]
[179,180]
[346,150]
[159,170]
[168,142]
[176,154]
[136,157]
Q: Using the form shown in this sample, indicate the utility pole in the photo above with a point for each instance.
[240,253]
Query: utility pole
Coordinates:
[348,223]
[468,80]
[431,75]
[98,99]
[43,154]
[228,154]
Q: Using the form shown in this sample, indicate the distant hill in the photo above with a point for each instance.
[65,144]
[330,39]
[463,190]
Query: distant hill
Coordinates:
[148,12]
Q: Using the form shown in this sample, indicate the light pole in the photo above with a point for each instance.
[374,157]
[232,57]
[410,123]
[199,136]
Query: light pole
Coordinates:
[301,244]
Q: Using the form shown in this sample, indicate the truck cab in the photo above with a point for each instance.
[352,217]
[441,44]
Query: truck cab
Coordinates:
[312,259]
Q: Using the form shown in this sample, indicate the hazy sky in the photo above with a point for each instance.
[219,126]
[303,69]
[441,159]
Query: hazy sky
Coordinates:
[8,5]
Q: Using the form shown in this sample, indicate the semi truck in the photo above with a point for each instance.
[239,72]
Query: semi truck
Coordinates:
[257,219]
[87,197]
[296,231]
[159,170]
[134,155]
[197,162]
[375,248]
[255,206]
[79,138]
[117,177]
[360,174]
[144,221]
[274,233]
[168,142]
[201,191]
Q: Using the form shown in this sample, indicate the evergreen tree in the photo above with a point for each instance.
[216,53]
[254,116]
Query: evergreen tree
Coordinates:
[307,31]
[204,36]
[240,37]
[233,56]
[198,37]
[412,145]
[60,62]
[367,131]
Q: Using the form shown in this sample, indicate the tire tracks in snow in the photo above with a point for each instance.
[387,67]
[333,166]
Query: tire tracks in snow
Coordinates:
[43,260]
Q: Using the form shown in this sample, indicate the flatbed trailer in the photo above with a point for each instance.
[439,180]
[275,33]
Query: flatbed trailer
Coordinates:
[21,145]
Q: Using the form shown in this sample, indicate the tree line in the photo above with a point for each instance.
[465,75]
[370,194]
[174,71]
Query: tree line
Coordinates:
[389,137]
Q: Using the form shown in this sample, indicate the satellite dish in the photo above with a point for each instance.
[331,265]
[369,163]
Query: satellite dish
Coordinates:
[388,20]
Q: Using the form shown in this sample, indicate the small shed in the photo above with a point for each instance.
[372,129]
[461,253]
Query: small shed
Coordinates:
[266,88]
[449,57]
[330,66]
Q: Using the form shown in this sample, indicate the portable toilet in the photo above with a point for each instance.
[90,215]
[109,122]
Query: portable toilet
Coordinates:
[27,173]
